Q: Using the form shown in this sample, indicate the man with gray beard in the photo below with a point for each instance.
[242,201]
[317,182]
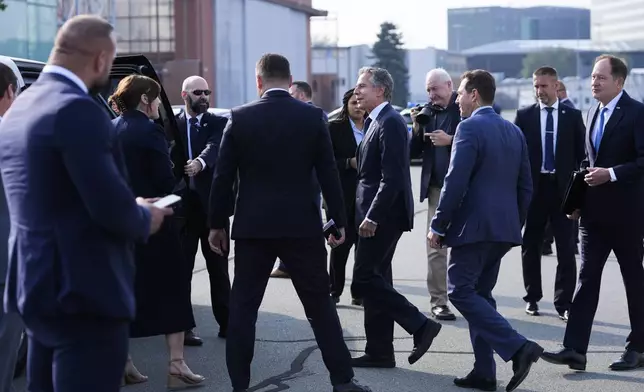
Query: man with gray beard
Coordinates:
[433,142]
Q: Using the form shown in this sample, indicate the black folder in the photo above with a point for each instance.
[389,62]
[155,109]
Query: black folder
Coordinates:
[575,192]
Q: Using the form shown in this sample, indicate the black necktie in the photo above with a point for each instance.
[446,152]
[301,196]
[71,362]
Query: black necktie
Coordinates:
[193,134]
[366,124]
[549,162]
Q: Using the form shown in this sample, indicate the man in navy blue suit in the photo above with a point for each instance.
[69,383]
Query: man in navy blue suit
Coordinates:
[611,215]
[384,210]
[73,218]
[483,205]
[275,144]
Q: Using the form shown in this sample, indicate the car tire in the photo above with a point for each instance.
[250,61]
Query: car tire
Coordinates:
[21,362]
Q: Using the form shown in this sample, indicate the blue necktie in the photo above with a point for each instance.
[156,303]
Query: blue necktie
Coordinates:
[549,162]
[600,131]
[367,122]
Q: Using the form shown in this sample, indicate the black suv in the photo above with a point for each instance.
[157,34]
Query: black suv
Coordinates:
[123,66]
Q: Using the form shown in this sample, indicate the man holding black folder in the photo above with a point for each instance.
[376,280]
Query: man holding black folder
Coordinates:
[611,212]
[554,133]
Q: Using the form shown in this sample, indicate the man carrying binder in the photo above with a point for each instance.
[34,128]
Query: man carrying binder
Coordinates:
[611,215]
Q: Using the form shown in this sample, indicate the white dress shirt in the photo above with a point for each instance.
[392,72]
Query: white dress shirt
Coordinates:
[190,152]
[555,125]
[610,108]
[358,134]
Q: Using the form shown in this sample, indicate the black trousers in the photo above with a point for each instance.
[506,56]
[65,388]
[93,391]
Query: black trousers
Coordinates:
[305,259]
[546,206]
[596,244]
[338,260]
[383,305]
[76,355]
[195,232]
[549,237]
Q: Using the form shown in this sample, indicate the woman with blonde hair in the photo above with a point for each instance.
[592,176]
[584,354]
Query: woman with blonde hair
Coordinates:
[162,282]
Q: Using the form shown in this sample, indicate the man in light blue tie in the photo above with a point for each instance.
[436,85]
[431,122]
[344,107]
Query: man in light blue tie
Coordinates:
[611,216]
[10,323]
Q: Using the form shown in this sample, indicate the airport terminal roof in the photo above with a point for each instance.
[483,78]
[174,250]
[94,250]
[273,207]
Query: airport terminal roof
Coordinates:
[529,46]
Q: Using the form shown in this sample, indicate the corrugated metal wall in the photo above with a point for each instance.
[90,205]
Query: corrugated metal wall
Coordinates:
[245,30]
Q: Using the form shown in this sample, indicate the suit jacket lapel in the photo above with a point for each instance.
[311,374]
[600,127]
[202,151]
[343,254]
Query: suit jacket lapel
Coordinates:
[609,127]
[562,127]
[183,128]
[537,131]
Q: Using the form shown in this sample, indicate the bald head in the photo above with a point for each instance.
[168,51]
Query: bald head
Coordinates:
[86,45]
[196,95]
[439,87]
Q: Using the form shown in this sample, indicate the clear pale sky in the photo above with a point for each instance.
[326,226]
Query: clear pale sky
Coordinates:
[422,22]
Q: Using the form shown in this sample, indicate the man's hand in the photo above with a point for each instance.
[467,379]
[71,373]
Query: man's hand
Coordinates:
[367,229]
[218,241]
[353,162]
[157,215]
[597,176]
[333,242]
[193,167]
[435,240]
[439,138]
[575,215]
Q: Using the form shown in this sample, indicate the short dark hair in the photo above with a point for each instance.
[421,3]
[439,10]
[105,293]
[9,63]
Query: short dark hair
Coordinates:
[7,78]
[618,67]
[273,66]
[483,82]
[304,87]
[545,71]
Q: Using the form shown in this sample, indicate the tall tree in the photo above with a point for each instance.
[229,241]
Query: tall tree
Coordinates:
[2,5]
[563,60]
[389,54]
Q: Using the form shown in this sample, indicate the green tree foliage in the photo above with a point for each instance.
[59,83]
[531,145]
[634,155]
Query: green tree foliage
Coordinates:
[2,5]
[563,60]
[389,54]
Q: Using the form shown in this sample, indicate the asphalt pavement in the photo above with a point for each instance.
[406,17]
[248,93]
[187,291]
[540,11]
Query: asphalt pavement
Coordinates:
[286,356]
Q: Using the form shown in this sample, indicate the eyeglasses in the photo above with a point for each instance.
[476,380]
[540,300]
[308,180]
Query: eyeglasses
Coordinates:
[201,92]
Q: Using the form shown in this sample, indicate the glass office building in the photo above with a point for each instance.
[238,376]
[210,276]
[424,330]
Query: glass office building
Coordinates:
[28,28]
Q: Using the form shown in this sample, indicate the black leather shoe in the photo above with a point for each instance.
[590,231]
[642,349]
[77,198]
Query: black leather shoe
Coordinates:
[443,313]
[630,360]
[357,302]
[564,316]
[423,340]
[336,300]
[547,250]
[223,333]
[522,361]
[352,386]
[190,339]
[472,381]
[532,308]
[368,361]
[567,356]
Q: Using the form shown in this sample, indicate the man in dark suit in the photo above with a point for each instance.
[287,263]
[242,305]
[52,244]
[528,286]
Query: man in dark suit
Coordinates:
[549,237]
[611,215]
[384,210]
[433,142]
[274,144]
[301,91]
[74,218]
[554,134]
[10,324]
[482,207]
[201,133]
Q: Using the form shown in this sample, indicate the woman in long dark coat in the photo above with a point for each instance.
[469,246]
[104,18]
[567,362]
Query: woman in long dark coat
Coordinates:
[162,282]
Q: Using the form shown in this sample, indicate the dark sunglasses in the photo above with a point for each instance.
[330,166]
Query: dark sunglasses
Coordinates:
[201,92]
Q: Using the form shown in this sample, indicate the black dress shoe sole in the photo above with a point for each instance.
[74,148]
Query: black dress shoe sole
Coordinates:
[574,366]
[428,338]
[373,364]
[193,343]
[620,368]
[444,317]
[462,383]
[514,383]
